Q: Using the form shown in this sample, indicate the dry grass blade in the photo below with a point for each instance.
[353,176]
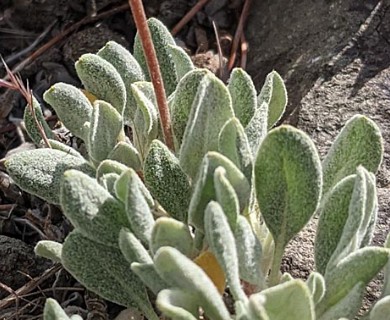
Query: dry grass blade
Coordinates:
[18,85]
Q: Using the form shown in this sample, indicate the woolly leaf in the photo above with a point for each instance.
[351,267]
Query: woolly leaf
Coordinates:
[31,125]
[233,143]
[71,106]
[161,38]
[121,187]
[177,304]
[316,285]
[386,286]
[149,276]
[106,124]
[91,208]
[358,143]
[358,267]
[53,311]
[92,265]
[39,171]
[167,181]
[137,208]
[381,309]
[55,144]
[222,243]
[49,249]
[174,268]
[249,253]
[204,190]
[132,249]
[110,166]
[146,116]
[182,61]
[125,153]
[101,79]
[345,220]
[211,108]
[182,102]
[243,93]
[295,298]
[256,130]
[288,182]
[129,70]
[173,233]
[226,196]
[273,93]
[347,307]
[333,217]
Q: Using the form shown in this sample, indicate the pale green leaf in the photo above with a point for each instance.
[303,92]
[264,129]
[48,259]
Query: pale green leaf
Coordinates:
[91,208]
[31,124]
[172,233]
[222,243]
[182,61]
[204,190]
[333,217]
[180,272]
[132,249]
[359,267]
[146,125]
[233,143]
[243,93]
[92,265]
[161,38]
[167,181]
[177,304]
[288,182]
[53,311]
[249,253]
[290,300]
[381,309]
[149,276]
[316,285]
[71,106]
[39,171]
[182,101]
[256,130]
[358,143]
[106,124]
[211,108]
[273,93]
[100,78]
[226,197]
[125,153]
[49,249]
[128,68]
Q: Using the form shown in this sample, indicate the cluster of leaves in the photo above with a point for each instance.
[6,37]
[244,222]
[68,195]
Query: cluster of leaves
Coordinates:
[177,226]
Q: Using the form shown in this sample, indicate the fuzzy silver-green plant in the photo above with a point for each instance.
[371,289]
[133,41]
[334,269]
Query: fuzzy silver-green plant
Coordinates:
[167,231]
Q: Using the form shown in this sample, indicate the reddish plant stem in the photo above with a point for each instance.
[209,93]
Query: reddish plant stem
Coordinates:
[154,69]
[189,15]
[237,35]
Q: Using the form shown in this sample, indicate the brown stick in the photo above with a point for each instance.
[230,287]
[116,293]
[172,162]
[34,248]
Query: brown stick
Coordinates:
[154,69]
[237,35]
[62,35]
[188,16]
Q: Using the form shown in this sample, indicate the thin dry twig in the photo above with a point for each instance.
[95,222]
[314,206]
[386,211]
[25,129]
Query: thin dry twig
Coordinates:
[221,68]
[154,69]
[238,34]
[188,16]
[28,287]
[25,91]
[65,33]
[244,51]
